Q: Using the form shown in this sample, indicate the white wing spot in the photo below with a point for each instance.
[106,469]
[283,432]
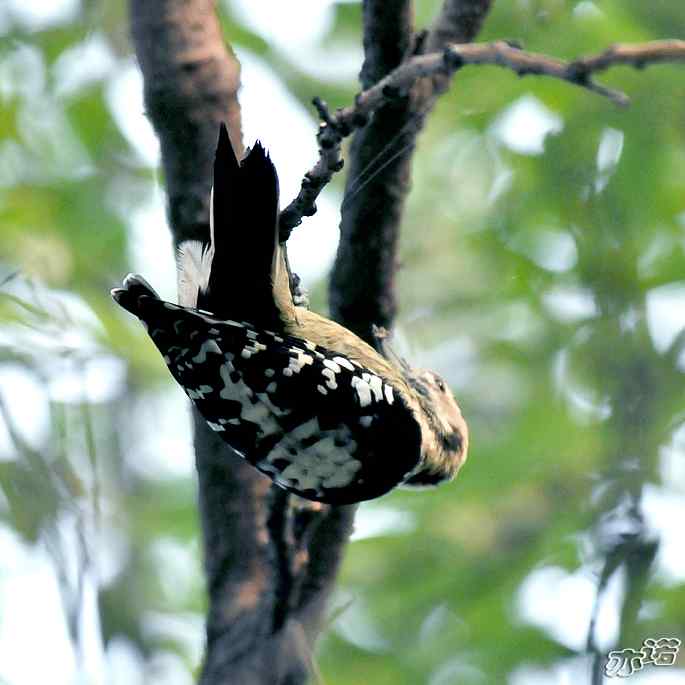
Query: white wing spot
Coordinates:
[297,363]
[269,373]
[228,392]
[322,390]
[207,346]
[375,384]
[215,426]
[389,396]
[259,413]
[345,363]
[335,368]
[271,387]
[251,349]
[363,390]
[329,375]
[365,421]
[266,401]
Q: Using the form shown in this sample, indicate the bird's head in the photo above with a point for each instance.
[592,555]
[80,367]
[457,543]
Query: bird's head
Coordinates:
[445,435]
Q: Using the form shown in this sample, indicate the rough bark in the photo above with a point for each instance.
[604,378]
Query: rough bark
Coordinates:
[191,83]
[459,21]
[362,289]
[364,294]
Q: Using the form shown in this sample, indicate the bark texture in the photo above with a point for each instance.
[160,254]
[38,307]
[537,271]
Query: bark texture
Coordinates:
[191,83]
[362,288]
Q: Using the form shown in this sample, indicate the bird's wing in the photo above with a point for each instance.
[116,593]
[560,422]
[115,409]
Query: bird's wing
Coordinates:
[317,423]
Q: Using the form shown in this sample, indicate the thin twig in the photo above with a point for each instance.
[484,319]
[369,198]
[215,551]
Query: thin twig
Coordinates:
[329,138]
[335,127]
[637,55]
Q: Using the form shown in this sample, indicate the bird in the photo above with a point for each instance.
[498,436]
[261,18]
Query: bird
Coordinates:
[300,397]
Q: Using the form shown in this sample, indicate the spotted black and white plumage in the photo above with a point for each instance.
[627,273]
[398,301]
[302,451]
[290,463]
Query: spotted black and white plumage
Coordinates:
[301,398]
[317,423]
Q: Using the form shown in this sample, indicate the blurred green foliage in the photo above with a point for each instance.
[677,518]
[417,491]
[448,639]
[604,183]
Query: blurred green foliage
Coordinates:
[534,271]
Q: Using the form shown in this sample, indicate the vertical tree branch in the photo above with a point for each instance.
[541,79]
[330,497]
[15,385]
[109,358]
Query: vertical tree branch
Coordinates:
[191,85]
[459,21]
[362,291]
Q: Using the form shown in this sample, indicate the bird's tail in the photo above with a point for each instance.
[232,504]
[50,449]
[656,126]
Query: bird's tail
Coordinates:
[168,325]
[135,291]
[232,276]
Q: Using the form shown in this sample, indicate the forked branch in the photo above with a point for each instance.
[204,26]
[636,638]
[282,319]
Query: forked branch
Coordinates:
[340,124]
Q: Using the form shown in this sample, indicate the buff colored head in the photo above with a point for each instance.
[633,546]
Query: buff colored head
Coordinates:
[445,444]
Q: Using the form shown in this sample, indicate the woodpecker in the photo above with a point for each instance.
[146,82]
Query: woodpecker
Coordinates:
[303,399]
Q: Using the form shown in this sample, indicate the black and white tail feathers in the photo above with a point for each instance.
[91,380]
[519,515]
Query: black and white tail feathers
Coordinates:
[232,276]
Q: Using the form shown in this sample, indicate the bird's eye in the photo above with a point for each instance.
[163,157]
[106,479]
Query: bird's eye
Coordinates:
[441,384]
